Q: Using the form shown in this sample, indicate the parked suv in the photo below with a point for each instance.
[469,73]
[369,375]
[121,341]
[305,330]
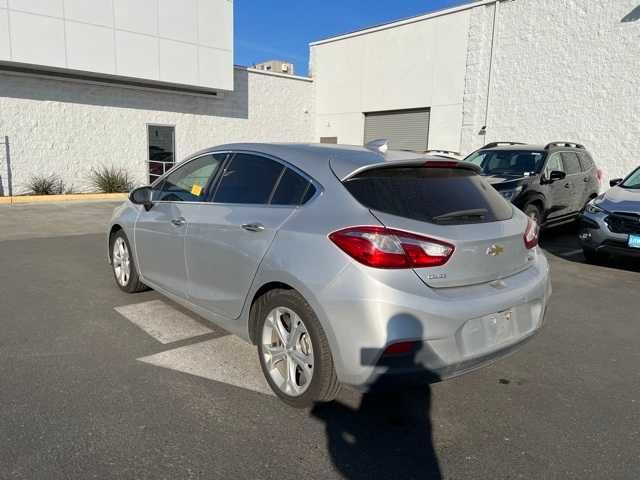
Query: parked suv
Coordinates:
[551,184]
[343,264]
[611,223]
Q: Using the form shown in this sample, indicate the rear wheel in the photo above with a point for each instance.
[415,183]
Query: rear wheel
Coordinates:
[124,268]
[293,350]
[533,212]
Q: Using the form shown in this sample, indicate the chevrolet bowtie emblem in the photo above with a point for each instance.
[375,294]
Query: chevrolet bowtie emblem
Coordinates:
[495,250]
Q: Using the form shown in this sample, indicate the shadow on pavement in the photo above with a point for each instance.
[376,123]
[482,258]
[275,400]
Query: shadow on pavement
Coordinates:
[563,242]
[389,435]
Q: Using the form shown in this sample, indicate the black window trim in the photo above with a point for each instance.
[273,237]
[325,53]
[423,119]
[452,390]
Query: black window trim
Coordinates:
[210,183]
[286,166]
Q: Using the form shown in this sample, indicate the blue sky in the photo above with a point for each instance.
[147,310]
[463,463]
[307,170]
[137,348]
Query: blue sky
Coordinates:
[282,29]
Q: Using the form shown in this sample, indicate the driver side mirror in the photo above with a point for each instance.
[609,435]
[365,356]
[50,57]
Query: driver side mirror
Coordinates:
[556,175]
[615,181]
[142,196]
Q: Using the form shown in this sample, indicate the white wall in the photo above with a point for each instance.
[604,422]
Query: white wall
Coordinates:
[418,64]
[68,127]
[187,42]
[562,70]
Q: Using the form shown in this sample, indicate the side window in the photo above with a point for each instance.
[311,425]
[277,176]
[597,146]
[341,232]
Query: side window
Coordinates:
[586,162]
[291,189]
[188,183]
[553,164]
[571,163]
[249,179]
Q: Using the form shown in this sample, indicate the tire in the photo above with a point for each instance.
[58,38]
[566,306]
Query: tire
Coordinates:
[592,256]
[533,211]
[282,363]
[121,260]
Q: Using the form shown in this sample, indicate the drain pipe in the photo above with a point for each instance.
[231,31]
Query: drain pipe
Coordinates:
[7,151]
[483,130]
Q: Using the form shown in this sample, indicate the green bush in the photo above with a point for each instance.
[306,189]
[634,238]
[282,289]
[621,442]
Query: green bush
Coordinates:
[47,185]
[110,179]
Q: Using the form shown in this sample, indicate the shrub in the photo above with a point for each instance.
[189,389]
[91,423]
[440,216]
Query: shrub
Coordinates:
[46,185]
[110,179]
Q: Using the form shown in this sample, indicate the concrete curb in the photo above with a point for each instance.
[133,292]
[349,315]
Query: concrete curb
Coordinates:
[74,197]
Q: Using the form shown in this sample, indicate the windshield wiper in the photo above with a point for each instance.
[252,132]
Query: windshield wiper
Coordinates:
[462,214]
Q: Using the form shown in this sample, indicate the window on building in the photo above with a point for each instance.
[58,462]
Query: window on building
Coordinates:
[161,141]
[249,179]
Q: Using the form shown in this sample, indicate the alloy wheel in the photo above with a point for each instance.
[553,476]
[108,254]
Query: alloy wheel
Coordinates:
[121,261]
[287,351]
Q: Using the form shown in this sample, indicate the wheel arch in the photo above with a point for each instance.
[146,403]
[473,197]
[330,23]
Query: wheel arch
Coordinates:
[253,319]
[115,228]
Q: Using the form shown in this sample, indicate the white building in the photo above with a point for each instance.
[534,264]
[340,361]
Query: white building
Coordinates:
[85,83]
[140,84]
[526,70]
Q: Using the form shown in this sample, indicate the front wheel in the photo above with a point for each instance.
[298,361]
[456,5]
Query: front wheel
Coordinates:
[534,213]
[123,265]
[293,350]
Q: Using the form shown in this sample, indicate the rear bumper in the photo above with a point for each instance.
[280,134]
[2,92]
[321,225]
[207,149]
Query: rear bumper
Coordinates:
[390,379]
[454,326]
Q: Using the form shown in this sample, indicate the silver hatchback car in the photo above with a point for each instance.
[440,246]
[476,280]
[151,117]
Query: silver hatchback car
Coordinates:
[345,265]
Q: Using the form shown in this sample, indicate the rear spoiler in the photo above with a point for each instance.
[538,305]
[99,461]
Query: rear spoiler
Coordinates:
[432,162]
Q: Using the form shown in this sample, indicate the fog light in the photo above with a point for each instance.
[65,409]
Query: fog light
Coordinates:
[584,236]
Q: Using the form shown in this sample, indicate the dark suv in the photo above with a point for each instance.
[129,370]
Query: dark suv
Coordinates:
[551,184]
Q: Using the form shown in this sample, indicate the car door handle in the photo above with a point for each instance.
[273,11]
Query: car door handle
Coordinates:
[567,185]
[178,222]
[587,180]
[253,227]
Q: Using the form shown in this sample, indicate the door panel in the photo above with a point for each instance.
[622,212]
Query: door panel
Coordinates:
[160,232]
[560,191]
[576,177]
[159,239]
[223,257]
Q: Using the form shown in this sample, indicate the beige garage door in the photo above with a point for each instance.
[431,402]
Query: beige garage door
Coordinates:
[405,129]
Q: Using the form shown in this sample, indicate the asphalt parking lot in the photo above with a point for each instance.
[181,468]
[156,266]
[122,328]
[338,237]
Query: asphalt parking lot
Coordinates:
[95,383]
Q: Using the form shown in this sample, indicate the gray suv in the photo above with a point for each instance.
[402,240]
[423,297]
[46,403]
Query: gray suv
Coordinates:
[611,223]
[342,264]
[550,183]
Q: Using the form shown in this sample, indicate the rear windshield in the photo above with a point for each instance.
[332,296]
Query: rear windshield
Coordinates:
[446,196]
[509,162]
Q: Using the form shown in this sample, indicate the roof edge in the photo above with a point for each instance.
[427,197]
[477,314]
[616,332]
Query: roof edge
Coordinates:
[403,21]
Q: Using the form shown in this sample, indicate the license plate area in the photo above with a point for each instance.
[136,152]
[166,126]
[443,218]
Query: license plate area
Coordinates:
[488,333]
[634,241]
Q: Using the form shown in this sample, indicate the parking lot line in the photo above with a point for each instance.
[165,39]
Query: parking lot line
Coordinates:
[226,359]
[162,321]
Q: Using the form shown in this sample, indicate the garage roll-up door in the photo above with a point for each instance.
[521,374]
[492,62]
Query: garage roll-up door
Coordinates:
[405,129]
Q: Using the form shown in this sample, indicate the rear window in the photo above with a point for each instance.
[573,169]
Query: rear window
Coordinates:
[446,196]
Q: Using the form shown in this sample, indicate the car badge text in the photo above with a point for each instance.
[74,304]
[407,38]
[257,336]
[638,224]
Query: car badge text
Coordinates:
[495,250]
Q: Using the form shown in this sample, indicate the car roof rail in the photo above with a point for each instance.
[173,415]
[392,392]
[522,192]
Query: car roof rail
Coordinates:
[564,144]
[497,144]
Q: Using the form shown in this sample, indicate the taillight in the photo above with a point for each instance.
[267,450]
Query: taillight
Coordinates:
[599,174]
[381,247]
[531,234]
[401,348]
